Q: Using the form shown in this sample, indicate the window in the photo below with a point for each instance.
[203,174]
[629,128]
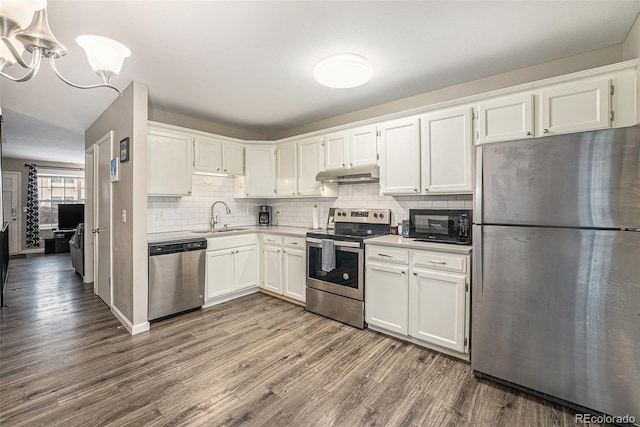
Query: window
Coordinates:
[54,190]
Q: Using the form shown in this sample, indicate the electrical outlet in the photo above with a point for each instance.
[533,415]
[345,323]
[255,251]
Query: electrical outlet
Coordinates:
[161,214]
[124,215]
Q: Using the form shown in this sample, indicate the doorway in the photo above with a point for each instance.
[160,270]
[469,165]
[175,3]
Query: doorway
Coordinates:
[11,209]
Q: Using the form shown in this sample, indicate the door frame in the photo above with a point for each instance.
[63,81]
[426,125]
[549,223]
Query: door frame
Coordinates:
[89,238]
[18,176]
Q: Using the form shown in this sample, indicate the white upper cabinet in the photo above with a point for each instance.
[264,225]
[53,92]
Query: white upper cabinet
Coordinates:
[352,148]
[310,160]
[260,175]
[207,155]
[505,118]
[446,151]
[170,154]
[363,146]
[232,158]
[336,152]
[212,155]
[286,183]
[400,156]
[574,107]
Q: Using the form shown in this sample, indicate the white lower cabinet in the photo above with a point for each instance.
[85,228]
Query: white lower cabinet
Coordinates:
[387,296]
[231,267]
[419,295]
[284,266]
[437,308]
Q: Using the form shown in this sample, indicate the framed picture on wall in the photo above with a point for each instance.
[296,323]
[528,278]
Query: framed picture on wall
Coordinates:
[124,150]
[114,170]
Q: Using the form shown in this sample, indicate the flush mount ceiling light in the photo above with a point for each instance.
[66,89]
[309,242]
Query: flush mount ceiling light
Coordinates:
[24,27]
[342,71]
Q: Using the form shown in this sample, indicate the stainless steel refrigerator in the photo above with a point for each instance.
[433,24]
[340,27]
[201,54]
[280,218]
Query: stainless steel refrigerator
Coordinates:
[556,280]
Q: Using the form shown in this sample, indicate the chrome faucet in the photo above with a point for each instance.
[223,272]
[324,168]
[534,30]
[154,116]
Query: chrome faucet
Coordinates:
[213,219]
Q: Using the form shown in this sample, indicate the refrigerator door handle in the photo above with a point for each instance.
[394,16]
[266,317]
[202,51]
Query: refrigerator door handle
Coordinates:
[477,198]
[478,286]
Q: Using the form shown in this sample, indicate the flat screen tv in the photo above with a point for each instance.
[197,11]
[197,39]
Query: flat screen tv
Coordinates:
[70,215]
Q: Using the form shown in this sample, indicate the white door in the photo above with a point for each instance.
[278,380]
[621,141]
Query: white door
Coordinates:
[89,215]
[219,272]
[102,219]
[574,107]
[233,158]
[286,170]
[438,308]
[207,156]
[363,143]
[505,118]
[336,151]
[446,151]
[294,263]
[260,171]
[171,154]
[387,296]
[11,208]
[310,161]
[245,267]
[400,157]
[272,269]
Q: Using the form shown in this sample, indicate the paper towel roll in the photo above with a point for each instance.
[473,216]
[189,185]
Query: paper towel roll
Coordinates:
[315,219]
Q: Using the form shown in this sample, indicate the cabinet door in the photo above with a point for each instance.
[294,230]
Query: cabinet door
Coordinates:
[335,150]
[219,272]
[387,296]
[208,155]
[400,157]
[260,174]
[169,155]
[437,310]
[233,158]
[294,262]
[286,184]
[446,151]
[364,149]
[245,267]
[272,269]
[506,118]
[574,107]
[310,160]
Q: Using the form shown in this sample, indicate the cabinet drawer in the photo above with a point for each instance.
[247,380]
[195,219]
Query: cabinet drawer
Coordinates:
[388,254]
[294,242]
[271,239]
[226,242]
[440,261]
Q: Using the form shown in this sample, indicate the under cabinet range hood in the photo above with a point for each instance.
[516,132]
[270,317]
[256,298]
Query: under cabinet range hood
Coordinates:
[353,175]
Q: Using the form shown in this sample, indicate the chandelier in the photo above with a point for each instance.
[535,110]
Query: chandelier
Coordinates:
[24,28]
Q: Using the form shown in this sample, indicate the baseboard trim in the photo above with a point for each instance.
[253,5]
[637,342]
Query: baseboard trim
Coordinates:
[282,297]
[131,328]
[229,297]
[32,251]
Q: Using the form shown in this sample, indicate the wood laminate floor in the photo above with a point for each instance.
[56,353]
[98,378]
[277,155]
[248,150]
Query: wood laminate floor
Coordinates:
[255,361]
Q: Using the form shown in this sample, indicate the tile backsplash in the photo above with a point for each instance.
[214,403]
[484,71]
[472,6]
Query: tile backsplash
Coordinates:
[189,213]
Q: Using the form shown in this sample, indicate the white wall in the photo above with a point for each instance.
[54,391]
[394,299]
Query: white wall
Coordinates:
[192,213]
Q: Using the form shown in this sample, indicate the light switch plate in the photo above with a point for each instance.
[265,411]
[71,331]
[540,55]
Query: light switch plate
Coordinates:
[124,215]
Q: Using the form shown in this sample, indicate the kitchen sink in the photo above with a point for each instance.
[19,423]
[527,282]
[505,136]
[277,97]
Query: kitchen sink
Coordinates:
[219,230]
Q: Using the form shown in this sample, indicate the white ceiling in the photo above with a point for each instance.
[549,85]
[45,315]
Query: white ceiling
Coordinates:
[249,64]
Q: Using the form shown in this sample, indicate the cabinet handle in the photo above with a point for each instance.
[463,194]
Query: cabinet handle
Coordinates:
[403,272]
[278,250]
[343,165]
[529,133]
[415,274]
[415,189]
[247,194]
[426,189]
[351,164]
[293,243]
[437,262]
[293,194]
[545,130]
[218,169]
[284,251]
[385,255]
[225,170]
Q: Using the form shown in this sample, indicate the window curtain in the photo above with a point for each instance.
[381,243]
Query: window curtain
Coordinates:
[33,219]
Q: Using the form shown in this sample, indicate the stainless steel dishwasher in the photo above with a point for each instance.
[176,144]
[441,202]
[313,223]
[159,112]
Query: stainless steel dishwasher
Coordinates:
[176,276]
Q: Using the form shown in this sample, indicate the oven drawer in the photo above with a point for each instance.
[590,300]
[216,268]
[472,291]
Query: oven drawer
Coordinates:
[440,261]
[387,254]
[272,239]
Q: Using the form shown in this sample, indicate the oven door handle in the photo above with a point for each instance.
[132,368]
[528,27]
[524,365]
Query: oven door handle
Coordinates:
[338,244]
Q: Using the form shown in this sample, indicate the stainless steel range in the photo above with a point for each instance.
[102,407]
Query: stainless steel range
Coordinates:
[335,263]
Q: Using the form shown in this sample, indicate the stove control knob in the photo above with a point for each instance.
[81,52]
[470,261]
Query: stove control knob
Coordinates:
[381,215]
[375,215]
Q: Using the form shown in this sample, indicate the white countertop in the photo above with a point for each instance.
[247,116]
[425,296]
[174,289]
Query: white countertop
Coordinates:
[182,235]
[410,243]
